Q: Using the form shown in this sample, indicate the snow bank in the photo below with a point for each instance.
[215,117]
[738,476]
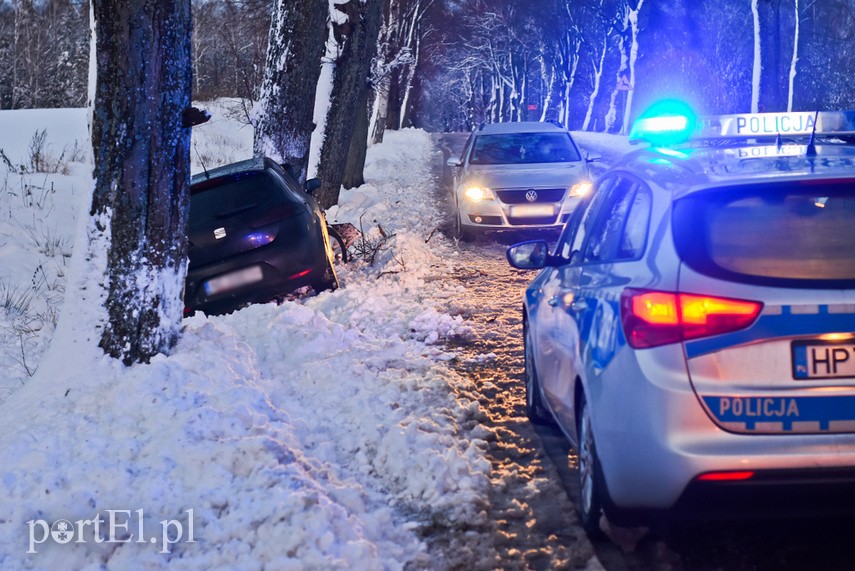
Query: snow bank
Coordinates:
[610,147]
[322,433]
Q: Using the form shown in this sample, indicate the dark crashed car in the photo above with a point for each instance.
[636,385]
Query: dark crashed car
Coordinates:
[255,235]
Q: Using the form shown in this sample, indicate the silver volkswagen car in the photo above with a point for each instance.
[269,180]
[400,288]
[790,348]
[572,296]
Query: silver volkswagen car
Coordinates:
[693,330]
[517,176]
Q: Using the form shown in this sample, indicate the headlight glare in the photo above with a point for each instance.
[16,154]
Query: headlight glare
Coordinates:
[477,194]
[581,189]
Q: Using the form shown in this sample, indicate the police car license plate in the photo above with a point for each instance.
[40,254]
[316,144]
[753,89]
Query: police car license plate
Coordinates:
[233,280]
[823,360]
[532,210]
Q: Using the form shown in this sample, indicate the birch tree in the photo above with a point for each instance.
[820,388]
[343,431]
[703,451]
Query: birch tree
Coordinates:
[628,44]
[283,129]
[596,38]
[568,56]
[399,51]
[795,59]
[142,169]
[758,58]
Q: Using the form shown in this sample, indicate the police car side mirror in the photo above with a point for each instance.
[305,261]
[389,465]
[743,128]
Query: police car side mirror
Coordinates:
[532,255]
[593,157]
[454,163]
[312,185]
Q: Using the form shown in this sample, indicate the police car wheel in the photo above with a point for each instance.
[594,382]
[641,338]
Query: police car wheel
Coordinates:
[590,501]
[533,406]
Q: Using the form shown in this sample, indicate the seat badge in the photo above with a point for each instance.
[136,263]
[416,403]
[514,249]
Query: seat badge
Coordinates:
[531,196]
[220,233]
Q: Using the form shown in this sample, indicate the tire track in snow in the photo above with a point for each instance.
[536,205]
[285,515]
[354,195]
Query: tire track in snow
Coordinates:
[532,522]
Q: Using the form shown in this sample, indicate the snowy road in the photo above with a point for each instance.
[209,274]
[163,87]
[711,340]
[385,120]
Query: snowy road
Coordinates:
[533,519]
[534,477]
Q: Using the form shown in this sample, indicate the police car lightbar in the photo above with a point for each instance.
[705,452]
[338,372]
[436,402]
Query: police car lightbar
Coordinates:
[653,128]
[664,123]
[797,123]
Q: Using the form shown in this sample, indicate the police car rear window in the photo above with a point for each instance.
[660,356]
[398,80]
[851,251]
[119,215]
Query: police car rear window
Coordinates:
[781,234]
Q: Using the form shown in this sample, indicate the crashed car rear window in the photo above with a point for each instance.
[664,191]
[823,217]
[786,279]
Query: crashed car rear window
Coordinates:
[523,148]
[243,195]
[797,232]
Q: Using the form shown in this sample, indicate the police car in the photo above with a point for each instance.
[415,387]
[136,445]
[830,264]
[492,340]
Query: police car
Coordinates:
[693,330]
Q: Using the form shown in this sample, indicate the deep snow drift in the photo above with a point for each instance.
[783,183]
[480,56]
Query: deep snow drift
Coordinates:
[325,432]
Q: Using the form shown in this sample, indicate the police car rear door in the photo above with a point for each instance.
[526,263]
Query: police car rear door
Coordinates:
[784,250]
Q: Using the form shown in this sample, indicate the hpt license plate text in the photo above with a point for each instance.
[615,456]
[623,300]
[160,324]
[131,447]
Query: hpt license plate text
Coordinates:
[823,361]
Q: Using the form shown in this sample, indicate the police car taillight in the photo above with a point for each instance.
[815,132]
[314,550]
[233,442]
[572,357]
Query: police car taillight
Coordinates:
[739,476]
[654,318]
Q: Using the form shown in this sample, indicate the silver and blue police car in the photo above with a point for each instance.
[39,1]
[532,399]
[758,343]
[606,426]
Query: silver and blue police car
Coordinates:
[693,330]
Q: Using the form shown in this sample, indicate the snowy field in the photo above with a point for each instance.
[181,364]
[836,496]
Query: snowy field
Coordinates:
[327,432]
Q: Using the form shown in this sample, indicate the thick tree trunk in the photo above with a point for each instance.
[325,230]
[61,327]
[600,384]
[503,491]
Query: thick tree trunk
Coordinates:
[142,169]
[284,126]
[772,92]
[354,173]
[409,77]
[350,85]
[598,77]
[393,100]
[387,48]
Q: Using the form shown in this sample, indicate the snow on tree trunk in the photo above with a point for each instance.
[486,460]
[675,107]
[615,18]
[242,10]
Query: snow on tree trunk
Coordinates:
[406,103]
[611,115]
[377,125]
[633,58]
[549,79]
[571,81]
[356,34]
[598,78]
[322,108]
[758,63]
[283,128]
[795,59]
[385,62]
[492,105]
[142,169]
[626,71]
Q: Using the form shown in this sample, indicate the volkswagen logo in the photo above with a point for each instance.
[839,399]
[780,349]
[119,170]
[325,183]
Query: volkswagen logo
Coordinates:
[531,196]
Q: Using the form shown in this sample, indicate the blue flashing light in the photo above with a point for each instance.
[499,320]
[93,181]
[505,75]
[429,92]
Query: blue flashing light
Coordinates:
[665,123]
[259,239]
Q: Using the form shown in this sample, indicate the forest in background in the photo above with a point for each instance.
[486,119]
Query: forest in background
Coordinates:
[453,64]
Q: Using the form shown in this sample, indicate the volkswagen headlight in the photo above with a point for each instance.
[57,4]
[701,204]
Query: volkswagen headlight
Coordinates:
[477,194]
[581,189]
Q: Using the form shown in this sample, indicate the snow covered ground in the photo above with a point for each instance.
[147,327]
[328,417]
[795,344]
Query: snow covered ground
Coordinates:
[325,432]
